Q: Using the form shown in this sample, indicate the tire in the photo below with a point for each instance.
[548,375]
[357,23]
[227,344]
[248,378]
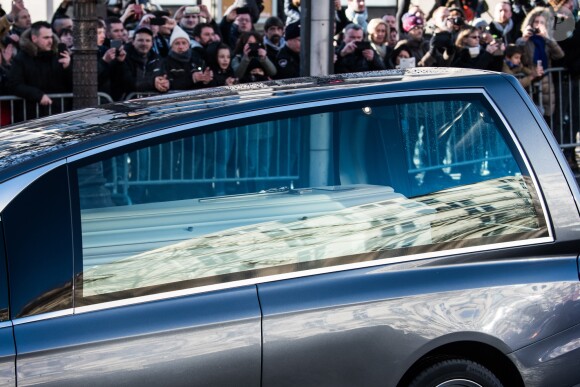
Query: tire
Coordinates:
[456,373]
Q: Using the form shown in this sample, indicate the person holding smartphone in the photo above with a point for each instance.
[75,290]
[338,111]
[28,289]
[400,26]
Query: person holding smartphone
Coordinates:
[355,54]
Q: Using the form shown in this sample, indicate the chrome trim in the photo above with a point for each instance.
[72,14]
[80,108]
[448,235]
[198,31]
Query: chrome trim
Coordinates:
[43,316]
[300,274]
[5,324]
[11,188]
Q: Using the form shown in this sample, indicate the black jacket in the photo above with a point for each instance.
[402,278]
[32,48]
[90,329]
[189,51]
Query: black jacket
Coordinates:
[353,63]
[35,73]
[180,69]
[137,73]
[287,64]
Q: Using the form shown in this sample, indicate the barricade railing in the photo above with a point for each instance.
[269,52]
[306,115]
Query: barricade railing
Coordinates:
[557,97]
[14,109]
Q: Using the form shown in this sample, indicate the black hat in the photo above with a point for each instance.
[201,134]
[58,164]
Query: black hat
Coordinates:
[273,21]
[292,31]
[144,29]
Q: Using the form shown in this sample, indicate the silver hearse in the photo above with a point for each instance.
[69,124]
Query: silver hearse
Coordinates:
[402,228]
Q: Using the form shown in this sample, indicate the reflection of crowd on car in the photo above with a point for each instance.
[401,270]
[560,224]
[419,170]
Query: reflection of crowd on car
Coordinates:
[142,49]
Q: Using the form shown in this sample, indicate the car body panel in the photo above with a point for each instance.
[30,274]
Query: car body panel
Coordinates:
[210,340]
[396,313]
[7,356]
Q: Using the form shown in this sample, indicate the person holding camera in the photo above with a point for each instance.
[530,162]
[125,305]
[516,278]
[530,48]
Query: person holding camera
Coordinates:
[539,51]
[251,63]
[470,54]
[355,54]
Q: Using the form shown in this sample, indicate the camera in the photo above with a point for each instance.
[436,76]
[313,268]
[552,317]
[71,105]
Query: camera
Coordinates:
[254,49]
[158,21]
[361,46]
[536,31]
[457,21]
[193,9]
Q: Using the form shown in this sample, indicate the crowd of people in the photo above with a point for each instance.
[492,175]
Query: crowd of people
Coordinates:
[141,49]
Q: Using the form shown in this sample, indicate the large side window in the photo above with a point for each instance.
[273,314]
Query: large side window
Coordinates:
[298,191]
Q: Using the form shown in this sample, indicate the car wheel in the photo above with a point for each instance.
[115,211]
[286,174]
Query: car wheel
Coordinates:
[456,373]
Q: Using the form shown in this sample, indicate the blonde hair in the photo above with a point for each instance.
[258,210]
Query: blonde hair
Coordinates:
[372,26]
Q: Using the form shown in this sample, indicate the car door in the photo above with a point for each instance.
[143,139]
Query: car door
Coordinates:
[7,352]
[67,333]
[448,242]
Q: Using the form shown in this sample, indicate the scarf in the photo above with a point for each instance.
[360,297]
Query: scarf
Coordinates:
[183,58]
[358,18]
[540,50]
[504,30]
[380,49]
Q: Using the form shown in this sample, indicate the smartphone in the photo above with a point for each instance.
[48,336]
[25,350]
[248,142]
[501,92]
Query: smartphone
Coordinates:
[254,49]
[361,46]
[62,48]
[193,9]
[116,43]
[158,21]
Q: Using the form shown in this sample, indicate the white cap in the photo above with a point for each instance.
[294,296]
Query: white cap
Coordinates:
[177,33]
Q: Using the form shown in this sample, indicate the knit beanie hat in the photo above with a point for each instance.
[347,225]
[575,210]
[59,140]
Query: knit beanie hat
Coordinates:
[412,21]
[292,30]
[177,33]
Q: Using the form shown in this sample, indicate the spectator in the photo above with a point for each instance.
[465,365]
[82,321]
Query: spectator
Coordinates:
[142,69]
[353,55]
[220,60]
[39,69]
[185,71]
[161,39]
[190,17]
[273,37]
[132,15]
[539,51]
[251,63]
[234,22]
[512,64]
[378,32]
[115,30]
[502,26]
[62,22]
[7,52]
[66,36]
[356,13]
[393,36]
[255,8]
[469,53]
[8,18]
[22,22]
[202,36]
[288,59]
[414,25]
[442,43]
[399,55]
[292,11]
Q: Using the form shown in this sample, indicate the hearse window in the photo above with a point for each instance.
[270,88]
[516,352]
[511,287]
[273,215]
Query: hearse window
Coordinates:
[288,193]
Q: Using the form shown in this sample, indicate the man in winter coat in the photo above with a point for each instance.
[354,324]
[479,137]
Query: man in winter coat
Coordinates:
[40,69]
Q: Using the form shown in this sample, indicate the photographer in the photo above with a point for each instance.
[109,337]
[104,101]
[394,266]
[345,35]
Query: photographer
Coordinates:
[442,43]
[539,51]
[356,55]
[251,62]
[470,54]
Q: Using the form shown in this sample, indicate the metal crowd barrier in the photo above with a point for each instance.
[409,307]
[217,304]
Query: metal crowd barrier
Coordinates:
[562,92]
[14,109]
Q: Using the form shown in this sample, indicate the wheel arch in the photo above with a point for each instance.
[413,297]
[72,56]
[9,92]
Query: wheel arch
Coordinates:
[480,352]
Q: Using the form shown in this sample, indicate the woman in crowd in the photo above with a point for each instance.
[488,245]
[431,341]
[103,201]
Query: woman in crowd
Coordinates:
[251,63]
[539,51]
[378,32]
[470,54]
[220,62]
